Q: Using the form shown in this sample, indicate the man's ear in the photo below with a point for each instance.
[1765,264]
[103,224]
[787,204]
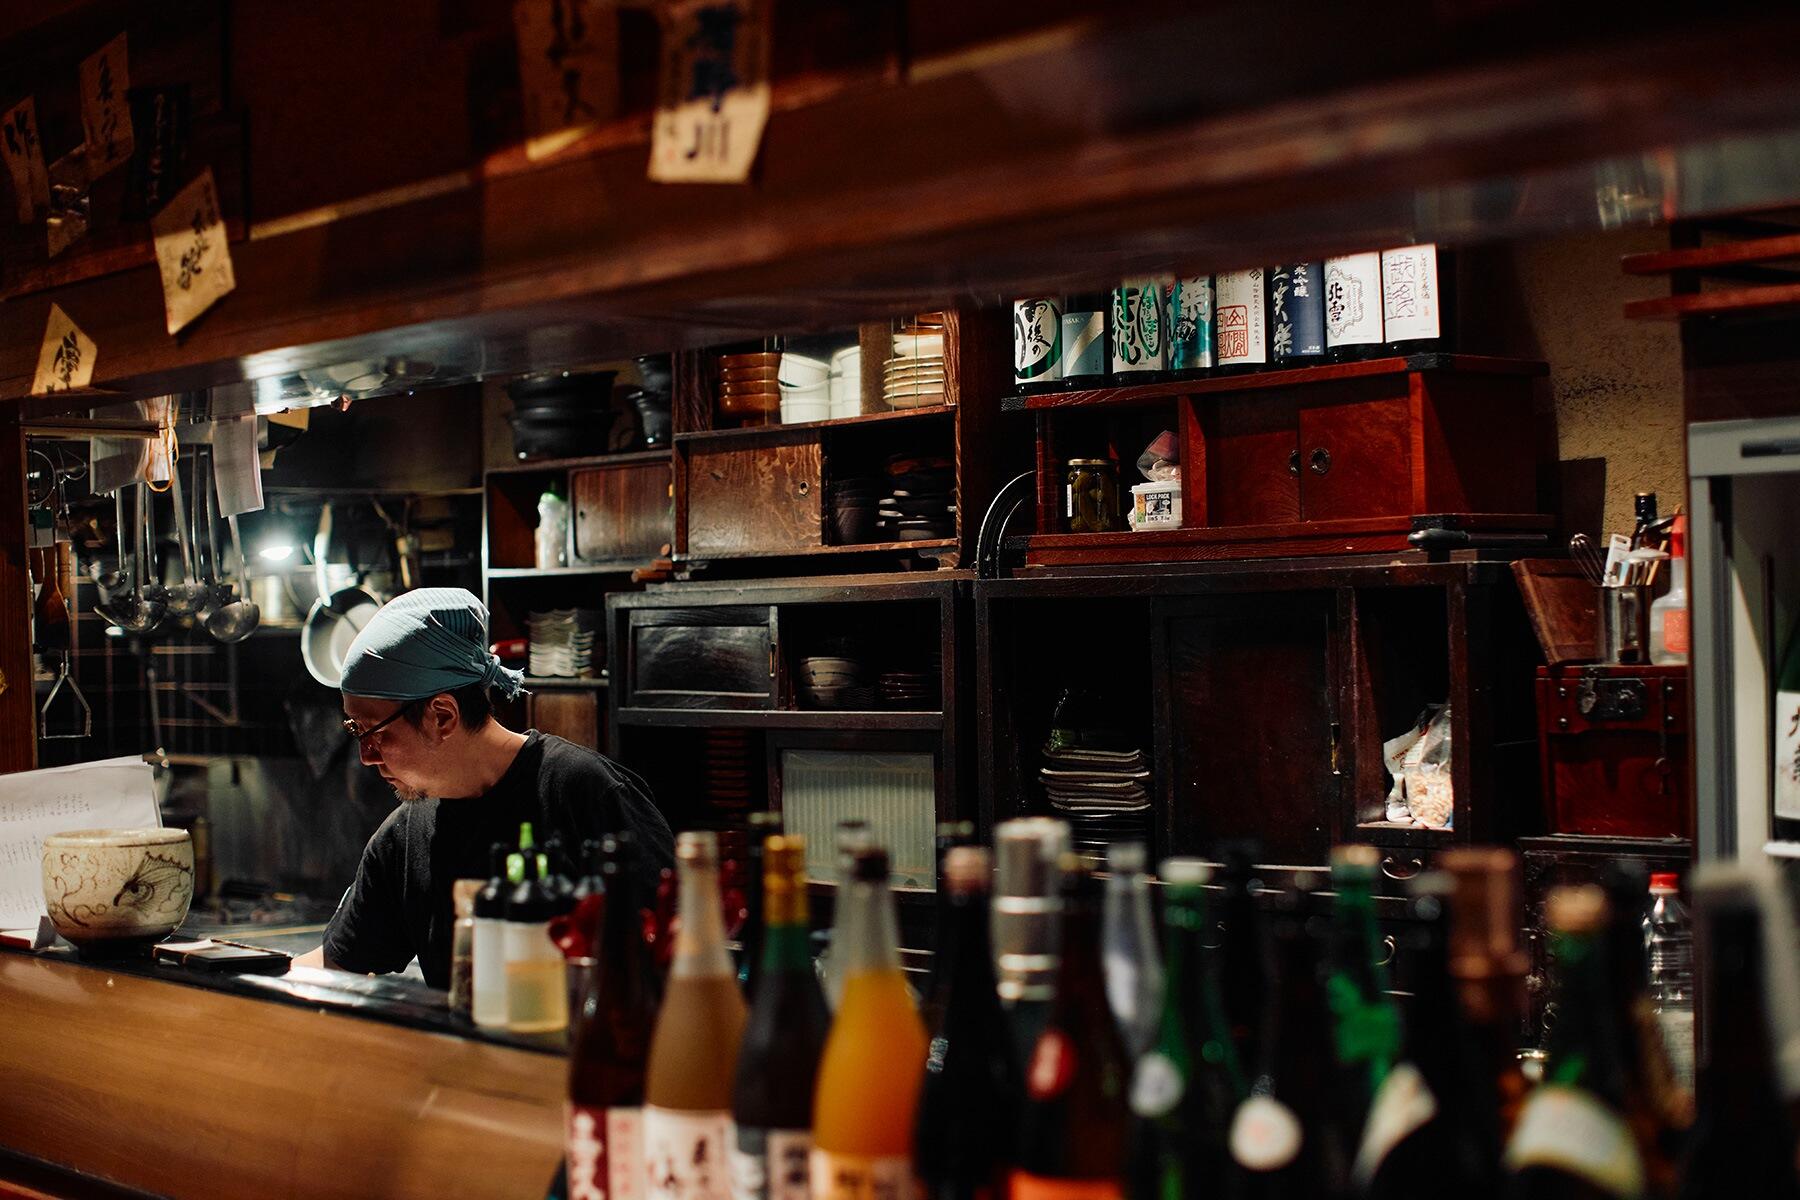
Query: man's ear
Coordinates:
[442,717]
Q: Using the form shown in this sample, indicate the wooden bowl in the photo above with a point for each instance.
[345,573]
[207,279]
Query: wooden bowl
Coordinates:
[113,890]
[731,362]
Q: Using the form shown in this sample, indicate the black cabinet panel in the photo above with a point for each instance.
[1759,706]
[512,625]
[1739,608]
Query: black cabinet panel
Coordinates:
[702,658]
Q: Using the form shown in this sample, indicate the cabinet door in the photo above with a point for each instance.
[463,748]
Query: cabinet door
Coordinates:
[760,499]
[1356,453]
[1251,459]
[1252,705]
[622,514]
[720,657]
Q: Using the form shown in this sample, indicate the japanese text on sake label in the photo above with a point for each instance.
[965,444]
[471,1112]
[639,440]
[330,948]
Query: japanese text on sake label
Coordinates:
[714,88]
[66,359]
[105,111]
[859,1177]
[24,156]
[687,1155]
[191,252]
[568,69]
[604,1153]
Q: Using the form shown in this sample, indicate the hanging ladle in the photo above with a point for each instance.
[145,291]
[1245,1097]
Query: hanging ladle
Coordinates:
[236,620]
[184,598]
[142,609]
[113,586]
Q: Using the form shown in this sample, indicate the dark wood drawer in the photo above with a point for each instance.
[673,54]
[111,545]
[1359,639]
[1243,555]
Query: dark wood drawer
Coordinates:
[623,513]
[753,499]
[701,657]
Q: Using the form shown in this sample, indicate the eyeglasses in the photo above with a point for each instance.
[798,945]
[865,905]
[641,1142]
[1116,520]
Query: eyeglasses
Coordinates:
[360,734]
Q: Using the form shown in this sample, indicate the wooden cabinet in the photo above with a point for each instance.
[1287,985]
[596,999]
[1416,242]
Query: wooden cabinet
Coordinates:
[702,657]
[754,498]
[622,513]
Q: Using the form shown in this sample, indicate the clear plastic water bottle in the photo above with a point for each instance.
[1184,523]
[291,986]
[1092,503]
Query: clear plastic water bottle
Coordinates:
[1669,940]
[1134,971]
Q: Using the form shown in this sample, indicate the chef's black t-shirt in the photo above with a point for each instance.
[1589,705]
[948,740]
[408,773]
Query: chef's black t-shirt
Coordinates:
[400,904]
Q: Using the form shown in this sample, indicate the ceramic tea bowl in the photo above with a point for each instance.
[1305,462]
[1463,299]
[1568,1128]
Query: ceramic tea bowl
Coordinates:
[114,890]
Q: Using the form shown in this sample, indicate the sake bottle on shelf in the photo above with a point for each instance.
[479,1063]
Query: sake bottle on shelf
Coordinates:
[867,1098]
[688,1135]
[1086,339]
[778,1059]
[1416,294]
[1241,320]
[1297,314]
[1191,325]
[1786,740]
[1037,344]
[1353,327]
[1140,332]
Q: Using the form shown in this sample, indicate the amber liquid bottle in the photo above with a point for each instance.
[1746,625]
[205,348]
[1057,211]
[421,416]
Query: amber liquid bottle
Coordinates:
[1074,1131]
[778,1062]
[693,1057]
[1489,966]
[611,1052]
[868,1095]
[964,1138]
[1572,1141]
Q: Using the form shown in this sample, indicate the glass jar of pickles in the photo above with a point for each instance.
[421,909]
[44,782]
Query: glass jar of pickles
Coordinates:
[1091,496]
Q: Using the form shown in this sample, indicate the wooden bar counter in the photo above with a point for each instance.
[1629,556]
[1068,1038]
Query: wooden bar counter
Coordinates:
[313,1084]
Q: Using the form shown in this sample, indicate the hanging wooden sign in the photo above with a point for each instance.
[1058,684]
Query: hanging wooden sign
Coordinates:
[191,252]
[105,110]
[568,69]
[714,97]
[24,156]
[66,359]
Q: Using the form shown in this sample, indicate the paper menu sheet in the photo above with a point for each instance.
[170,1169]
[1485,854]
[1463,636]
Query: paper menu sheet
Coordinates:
[117,793]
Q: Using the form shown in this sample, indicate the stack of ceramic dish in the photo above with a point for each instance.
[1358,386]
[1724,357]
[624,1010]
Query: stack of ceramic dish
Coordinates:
[921,504]
[920,689]
[846,382]
[914,376]
[725,768]
[854,510]
[1103,794]
[835,681]
[805,388]
[562,643]
[749,384]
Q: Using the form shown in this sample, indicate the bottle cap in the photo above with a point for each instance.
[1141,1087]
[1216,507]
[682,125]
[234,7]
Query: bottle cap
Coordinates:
[967,870]
[784,879]
[1665,881]
[763,823]
[1678,536]
[1026,854]
[1578,909]
[1354,862]
[698,847]
[1185,872]
[1126,858]
[870,865]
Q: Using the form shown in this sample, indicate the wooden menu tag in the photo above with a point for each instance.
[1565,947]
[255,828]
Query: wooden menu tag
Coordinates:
[714,89]
[191,252]
[568,69]
[24,156]
[105,111]
[66,359]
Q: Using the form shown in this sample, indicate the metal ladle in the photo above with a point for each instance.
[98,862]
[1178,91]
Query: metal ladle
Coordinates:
[112,584]
[186,597]
[141,610]
[218,588]
[237,620]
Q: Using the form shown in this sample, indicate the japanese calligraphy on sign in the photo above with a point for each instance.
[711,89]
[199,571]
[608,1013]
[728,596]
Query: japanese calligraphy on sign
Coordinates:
[714,91]
[24,156]
[105,111]
[191,252]
[568,69]
[66,359]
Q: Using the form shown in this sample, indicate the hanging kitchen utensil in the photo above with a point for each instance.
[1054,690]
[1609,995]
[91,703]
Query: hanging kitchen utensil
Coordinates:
[219,592]
[86,719]
[237,620]
[183,598]
[142,609]
[50,613]
[335,618]
[111,584]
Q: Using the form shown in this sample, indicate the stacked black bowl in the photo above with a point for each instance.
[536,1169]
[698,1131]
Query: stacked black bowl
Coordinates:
[854,509]
[561,415]
[651,398]
[921,501]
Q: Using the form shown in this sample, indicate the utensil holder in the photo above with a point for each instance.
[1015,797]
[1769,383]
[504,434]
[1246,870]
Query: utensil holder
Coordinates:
[1624,626]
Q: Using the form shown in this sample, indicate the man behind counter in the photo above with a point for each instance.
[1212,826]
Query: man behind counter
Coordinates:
[418,683]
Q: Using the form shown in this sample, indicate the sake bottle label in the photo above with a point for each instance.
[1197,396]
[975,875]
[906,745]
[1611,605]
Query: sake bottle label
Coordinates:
[1402,1104]
[1787,755]
[1265,1134]
[1037,341]
[861,1177]
[687,1155]
[605,1153]
[1566,1129]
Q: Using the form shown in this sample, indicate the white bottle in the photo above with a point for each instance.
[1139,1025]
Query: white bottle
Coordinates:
[1669,638]
[552,532]
[489,1003]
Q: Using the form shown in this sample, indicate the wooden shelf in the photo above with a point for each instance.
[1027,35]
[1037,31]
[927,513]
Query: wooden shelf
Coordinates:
[565,682]
[1132,395]
[1702,259]
[543,466]
[1362,535]
[1704,304]
[751,432]
[764,718]
[854,548]
[620,568]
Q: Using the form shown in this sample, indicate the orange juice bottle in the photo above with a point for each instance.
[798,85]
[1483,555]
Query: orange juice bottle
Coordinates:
[874,1061]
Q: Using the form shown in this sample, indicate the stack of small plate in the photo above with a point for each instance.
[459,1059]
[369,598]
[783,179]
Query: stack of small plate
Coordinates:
[914,376]
[562,643]
[726,768]
[909,689]
[1103,794]
[749,384]
[830,681]
[921,504]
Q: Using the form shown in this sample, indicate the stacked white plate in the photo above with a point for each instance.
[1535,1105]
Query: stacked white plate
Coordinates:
[846,382]
[914,376]
[562,642]
[805,389]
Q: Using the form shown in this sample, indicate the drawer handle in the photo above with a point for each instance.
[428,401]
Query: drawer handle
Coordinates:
[1321,460]
[1388,948]
[1294,463]
[1387,868]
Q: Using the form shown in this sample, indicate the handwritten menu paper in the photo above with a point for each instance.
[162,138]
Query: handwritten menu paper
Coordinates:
[714,97]
[24,156]
[105,111]
[191,252]
[66,359]
[568,69]
[116,793]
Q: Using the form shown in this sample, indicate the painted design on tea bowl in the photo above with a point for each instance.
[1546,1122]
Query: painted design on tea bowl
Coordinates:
[110,885]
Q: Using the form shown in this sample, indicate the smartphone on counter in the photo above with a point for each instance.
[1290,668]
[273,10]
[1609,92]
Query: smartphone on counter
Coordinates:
[210,954]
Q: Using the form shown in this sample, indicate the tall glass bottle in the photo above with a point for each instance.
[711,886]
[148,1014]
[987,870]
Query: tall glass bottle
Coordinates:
[1571,1141]
[1241,320]
[950,835]
[693,1056]
[849,837]
[1416,295]
[1742,1145]
[1353,326]
[1074,1127]
[537,986]
[868,1094]
[763,825]
[1297,314]
[609,1060]
[1027,926]
[1244,951]
[1191,324]
[778,1060]
[489,1007]
[1489,966]
[1086,346]
[1187,1086]
[1431,1128]
[1288,1138]
[1786,741]
[964,1140]
[1365,1024]
[1134,970]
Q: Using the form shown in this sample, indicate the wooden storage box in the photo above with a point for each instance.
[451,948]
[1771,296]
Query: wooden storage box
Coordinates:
[1613,741]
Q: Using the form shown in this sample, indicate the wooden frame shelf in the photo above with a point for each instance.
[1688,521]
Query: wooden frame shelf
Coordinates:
[541,466]
[920,544]
[750,432]
[500,574]
[781,718]
[552,683]
[1372,535]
